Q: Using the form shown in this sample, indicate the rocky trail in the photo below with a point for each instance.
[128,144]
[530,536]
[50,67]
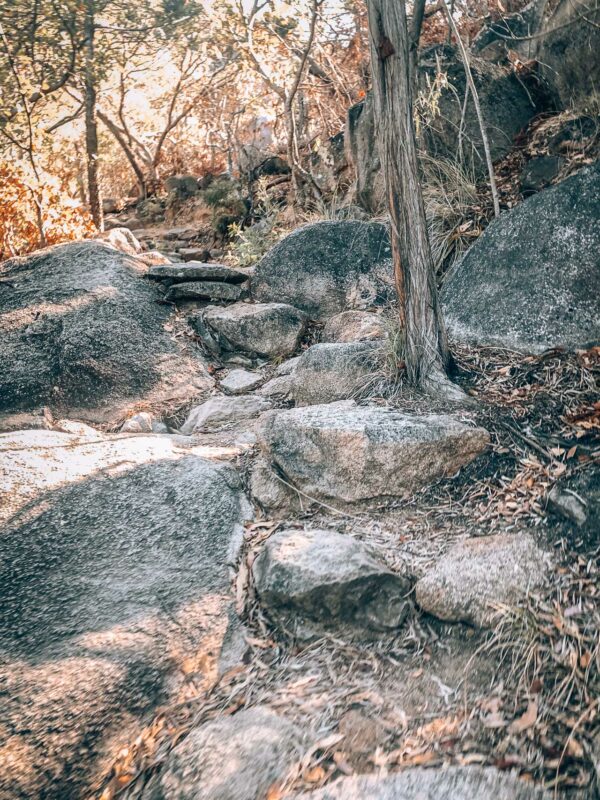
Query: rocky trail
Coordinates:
[240,561]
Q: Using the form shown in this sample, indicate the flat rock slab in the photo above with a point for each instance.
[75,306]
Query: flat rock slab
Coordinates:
[263,329]
[451,783]
[328,372]
[231,758]
[530,282]
[113,569]
[349,453]
[354,326]
[330,578]
[196,271]
[240,381]
[328,267]
[205,290]
[82,334]
[474,577]
[222,412]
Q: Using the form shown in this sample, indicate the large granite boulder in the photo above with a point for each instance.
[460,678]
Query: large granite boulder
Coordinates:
[344,452]
[113,570]
[506,103]
[329,578]
[259,329]
[569,54]
[230,758]
[450,783]
[83,334]
[530,282]
[328,267]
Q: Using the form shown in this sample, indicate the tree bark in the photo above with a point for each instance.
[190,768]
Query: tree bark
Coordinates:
[425,345]
[91,121]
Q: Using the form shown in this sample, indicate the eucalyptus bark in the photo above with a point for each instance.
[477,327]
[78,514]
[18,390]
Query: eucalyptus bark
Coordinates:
[91,119]
[425,345]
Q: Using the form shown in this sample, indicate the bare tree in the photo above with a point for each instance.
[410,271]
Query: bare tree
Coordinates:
[425,346]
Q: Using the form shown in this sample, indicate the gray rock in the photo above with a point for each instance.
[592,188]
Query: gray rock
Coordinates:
[530,282]
[263,329]
[330,578]
[477,574]
[279,388]
[577,500]
[83,334]
[353,326]
[196,271]
[540,172]
[349,453]
[328,267]
[506,104]
[122,239]
[139,423]
[269,492]
[287,367]
[205,290]
[240,381]
[222,412]
[569,54]
[231,758]
[113,568]
[194,253]
[450,783]
[328,372]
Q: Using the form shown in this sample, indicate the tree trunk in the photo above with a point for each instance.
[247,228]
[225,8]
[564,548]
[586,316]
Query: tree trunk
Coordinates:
[425,346]
[91,122]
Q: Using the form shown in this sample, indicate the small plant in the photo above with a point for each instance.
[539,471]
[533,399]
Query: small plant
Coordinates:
[249,245]
[450,194]
[228,207]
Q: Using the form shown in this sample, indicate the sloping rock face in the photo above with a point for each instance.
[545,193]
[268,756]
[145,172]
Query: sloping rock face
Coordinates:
[328,267]
[349,453]
[506,105]
[113,568]
[263,329]
[82,333]
[468,583]
[451,783]
[231,758]
[329,372]
[530,282]
[330,578]
[569,54]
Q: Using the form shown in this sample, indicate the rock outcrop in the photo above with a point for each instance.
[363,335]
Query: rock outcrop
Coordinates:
[113,568]
[82,333]
[530,282]
[331,579]
[328,267]
[348,453]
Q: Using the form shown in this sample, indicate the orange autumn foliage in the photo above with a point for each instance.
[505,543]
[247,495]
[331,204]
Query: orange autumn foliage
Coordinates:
[26,206]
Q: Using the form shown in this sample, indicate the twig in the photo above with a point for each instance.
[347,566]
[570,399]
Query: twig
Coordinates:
[484,137]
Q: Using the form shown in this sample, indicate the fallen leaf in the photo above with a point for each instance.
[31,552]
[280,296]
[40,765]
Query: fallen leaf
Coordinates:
[527,720]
